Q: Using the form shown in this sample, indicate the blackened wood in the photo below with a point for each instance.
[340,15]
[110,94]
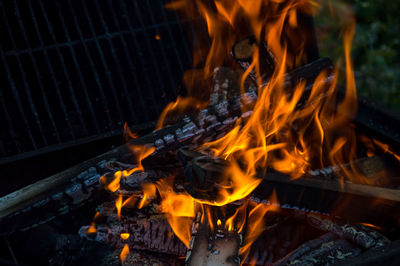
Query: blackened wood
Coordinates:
[65,190]
[305,248]
[148,233]
[353,233]
[243,51]
[326,254]
[355,202]
[387,255]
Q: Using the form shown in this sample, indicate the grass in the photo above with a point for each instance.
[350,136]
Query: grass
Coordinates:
[376,44]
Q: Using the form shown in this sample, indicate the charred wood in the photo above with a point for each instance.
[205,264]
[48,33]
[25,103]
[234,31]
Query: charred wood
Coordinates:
[243,52]
[151,233]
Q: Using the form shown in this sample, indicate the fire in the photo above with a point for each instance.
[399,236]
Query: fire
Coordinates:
[179,208]
[92,228]
[255,223]
[141,153]
[125,236]
[118,206]
[290,129]
[124,253]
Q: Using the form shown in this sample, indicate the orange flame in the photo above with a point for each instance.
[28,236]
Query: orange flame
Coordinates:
[181,105]
[179,208]
[290,128]
[141,153]
[255,223]
[92,228]
[149,191]
[125,236]
[118,206]
[124,253]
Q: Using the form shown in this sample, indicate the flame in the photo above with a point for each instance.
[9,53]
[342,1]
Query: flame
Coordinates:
[125,236]
[118,206]
[179,208]
[181,105]
[372,226]
[92,228]
[385,148]
[128,134]
[290,129]
[141,152]
[255,223]
[149,191]
[124,253]
[237,220]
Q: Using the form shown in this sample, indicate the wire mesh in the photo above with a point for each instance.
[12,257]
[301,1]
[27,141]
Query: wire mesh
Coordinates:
[71,70]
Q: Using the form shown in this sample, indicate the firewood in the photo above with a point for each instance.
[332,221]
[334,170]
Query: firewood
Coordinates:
[243,50]
[147,233]
[213,247]
[305,248]
[327,253]
[352,233]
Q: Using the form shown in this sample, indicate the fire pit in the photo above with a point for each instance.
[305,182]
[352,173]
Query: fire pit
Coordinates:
[265,160]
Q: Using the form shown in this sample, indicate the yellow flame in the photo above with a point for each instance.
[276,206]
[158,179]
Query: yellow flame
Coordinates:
[124,253]
[118,206]
[125,236]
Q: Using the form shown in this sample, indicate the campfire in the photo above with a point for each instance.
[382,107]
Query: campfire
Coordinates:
[264,160]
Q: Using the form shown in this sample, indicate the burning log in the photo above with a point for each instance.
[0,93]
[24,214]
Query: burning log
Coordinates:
[355,234]
[327,252]
[203,175]
[371,204]
[213,247]
[151,233]
[305,248]
[243,52]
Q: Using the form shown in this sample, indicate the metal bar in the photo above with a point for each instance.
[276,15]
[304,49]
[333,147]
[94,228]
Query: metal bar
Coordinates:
[182,34]
[26,85]
[105,65]
[10,126]
[152,59]
[11,251]
[116,60]
[11,81]
[173,85]
[97,37]
[117,132]
[137,47]
[78,69]
[37,74]
[173,39]
[57,88]
[92,66]
[65,44]
[129,59]
[62,104]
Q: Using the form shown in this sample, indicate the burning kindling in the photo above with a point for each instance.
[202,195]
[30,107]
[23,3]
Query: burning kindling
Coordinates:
[264,161]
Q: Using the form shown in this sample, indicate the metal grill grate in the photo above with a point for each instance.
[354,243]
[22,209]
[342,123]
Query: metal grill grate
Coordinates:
[73,70]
